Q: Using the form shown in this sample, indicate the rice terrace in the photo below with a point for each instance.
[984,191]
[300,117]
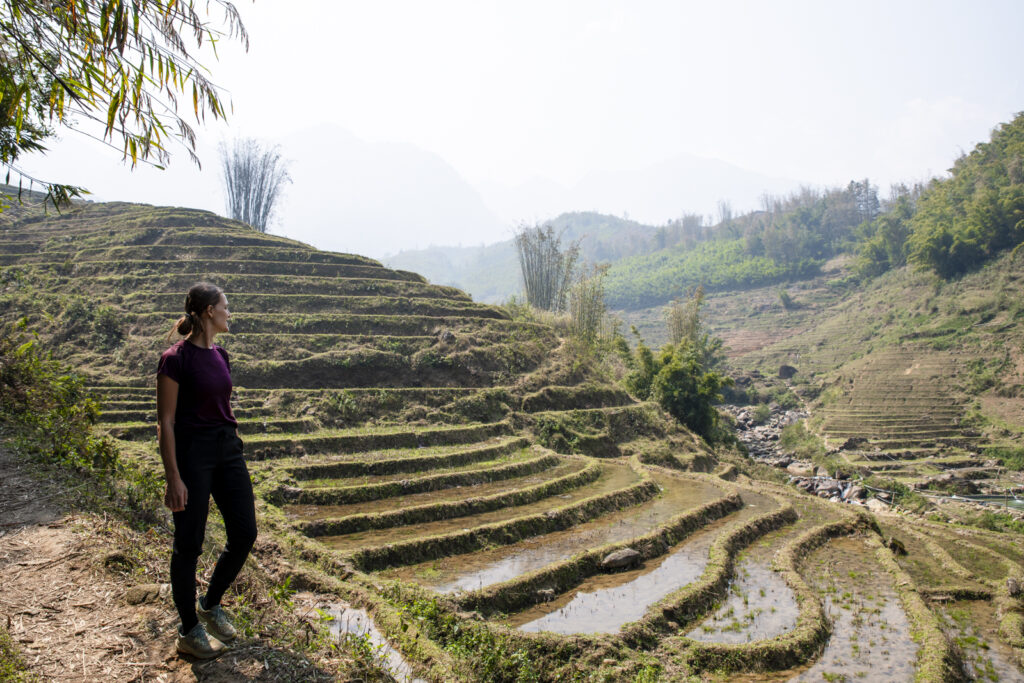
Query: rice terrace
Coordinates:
[782,443]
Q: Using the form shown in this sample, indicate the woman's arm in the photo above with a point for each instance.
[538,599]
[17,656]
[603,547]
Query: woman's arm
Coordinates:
[175,495]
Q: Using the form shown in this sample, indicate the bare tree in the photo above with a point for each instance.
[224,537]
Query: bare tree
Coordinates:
[547,270]
[254,179]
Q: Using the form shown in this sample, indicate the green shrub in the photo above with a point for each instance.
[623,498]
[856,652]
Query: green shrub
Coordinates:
[762,413]
[799,440]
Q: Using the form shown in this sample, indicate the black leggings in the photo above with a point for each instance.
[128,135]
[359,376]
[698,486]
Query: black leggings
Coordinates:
[210,461]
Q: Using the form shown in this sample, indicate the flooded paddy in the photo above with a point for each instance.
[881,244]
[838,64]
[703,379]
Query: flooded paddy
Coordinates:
[760,604]
[603,603]
[348,622]
[483,568]
[972,626]
[613,478]
[442,495]
[870,631]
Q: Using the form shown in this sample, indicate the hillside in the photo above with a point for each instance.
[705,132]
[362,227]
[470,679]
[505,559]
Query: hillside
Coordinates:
[491,273]
[498,507]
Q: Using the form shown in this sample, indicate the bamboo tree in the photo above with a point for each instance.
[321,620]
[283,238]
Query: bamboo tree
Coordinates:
[254,179]
[547,270]
[119,65]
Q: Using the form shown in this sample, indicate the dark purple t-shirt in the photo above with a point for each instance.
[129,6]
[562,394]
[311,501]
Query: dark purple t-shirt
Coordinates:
[204,384]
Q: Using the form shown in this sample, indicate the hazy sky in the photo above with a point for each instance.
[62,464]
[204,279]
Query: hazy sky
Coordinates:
[509,93]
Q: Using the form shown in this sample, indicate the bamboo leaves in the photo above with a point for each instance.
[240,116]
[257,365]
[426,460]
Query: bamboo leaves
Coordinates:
[119,64]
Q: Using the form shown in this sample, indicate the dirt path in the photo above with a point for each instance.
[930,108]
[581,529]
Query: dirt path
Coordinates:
[67,580]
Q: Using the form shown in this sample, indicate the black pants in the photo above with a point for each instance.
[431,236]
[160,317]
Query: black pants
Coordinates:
[210,462]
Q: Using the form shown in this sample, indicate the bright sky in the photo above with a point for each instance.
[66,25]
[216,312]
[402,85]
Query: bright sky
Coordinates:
[817,92]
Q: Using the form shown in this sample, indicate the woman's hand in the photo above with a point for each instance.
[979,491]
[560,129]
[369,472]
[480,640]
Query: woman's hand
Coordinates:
[176,495]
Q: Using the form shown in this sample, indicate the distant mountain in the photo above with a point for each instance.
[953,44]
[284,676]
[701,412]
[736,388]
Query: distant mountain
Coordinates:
[373,198]
[491,273]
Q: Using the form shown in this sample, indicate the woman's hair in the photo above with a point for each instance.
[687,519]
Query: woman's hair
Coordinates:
[201,295]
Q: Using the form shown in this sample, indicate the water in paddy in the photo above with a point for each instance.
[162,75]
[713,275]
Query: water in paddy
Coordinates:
[870,631]
[760,605]
[356,623]
[603,603]
[972,626]
[483,568]
[613,477]
[455,493]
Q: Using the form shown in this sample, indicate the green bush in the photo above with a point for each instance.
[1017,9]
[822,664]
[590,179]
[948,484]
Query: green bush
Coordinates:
[762,413]
[47,414]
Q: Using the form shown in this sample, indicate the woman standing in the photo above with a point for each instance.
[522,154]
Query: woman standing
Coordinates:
[202,455]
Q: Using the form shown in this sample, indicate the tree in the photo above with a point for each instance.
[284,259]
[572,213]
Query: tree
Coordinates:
[117,67]
[254,179]
[546,268]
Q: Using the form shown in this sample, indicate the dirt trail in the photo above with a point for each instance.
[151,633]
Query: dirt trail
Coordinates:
[66,580]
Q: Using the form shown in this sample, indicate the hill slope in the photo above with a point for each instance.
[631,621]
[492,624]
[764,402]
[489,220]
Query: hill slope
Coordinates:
[500,509]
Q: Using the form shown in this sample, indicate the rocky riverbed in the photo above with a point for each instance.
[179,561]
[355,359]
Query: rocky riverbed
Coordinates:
[759,431]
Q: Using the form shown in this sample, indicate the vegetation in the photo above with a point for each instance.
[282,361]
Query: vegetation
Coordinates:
[546,268]
[962,221]
[254,179]
[680,377]
[121,65]
[586,307]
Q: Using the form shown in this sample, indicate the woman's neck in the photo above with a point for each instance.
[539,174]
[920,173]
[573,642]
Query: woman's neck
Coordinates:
[202,340]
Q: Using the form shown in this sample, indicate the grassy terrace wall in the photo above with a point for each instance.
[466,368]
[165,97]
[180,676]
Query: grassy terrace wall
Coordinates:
[449,510]
[502,533]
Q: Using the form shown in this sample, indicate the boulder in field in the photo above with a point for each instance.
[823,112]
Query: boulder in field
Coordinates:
[876,505]
[620,558]
[800,469]
[856,493]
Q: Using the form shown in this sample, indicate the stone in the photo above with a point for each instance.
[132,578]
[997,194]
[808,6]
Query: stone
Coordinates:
[800,469]
[895,545]
[620,558]
[1013,586]
[876,505]
[786,371]
[821,472]
[856,493]
[146,592]
[447,337]
[546,594]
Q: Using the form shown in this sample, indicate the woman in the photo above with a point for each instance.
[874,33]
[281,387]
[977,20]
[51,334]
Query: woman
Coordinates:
[202,455]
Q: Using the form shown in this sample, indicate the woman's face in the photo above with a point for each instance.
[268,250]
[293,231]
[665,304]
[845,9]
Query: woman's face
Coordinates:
[219,315]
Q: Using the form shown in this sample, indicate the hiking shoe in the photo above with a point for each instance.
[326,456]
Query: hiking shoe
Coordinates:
[216,622]
[199,643]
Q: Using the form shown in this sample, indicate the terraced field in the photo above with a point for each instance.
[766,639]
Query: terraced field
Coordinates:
[895,413]
[497,512]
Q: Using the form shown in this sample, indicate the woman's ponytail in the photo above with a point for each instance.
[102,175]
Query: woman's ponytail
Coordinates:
[200,296]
